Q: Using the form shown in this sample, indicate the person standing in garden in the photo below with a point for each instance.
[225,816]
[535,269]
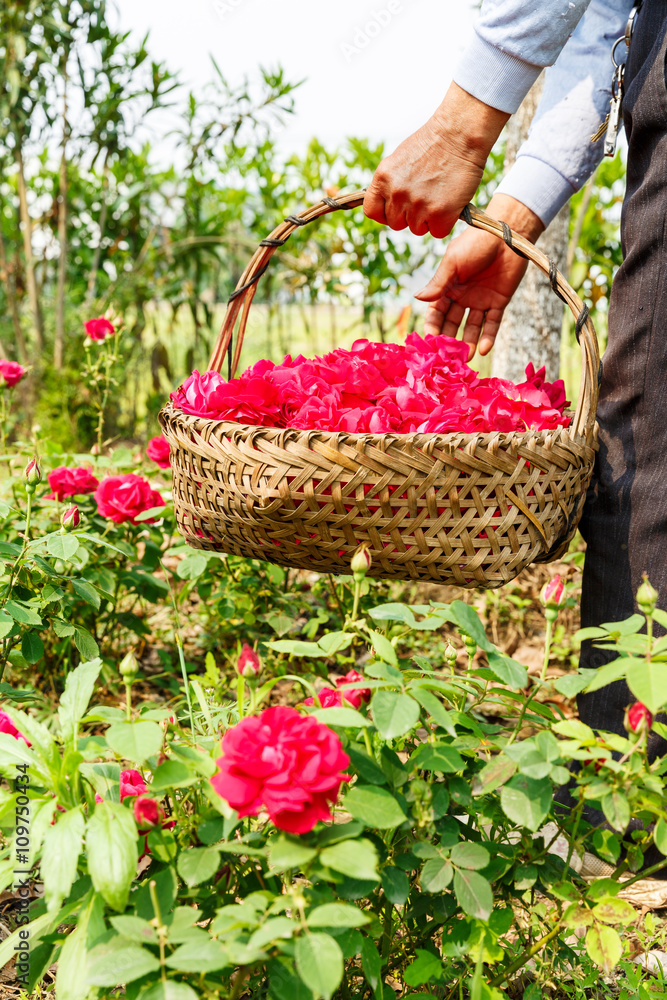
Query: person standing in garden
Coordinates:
[425,184]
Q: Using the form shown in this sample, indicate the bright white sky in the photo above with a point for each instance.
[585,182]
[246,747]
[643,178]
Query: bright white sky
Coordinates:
[371,69]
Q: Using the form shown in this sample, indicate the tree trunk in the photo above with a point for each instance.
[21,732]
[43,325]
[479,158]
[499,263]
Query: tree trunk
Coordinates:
[26,227]
[97,253]
[58,345]
[531,326]
[11,299]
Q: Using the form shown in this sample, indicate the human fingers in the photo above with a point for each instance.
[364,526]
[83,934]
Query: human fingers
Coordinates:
[374,204]
[434,317]
[473,328]
[490,330]
[453,318]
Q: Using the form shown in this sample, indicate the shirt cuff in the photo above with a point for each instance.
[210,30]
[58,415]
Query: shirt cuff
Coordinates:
[538,186]
[495,77]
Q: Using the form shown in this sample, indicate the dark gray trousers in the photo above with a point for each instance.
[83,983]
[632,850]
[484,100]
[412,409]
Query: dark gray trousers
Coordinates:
[625,517]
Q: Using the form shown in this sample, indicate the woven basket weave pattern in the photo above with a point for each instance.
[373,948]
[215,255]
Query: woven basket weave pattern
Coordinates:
[465,509]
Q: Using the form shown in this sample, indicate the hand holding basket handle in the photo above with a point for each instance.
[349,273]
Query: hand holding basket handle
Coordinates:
[465,509]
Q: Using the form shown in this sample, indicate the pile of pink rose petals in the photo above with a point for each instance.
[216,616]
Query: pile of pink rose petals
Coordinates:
[422,386]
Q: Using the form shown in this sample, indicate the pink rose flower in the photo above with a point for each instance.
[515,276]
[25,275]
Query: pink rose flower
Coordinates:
[158,451]
[70,482]
[122,498]
[289,764]
[99,328]
[11,372]
[7,726]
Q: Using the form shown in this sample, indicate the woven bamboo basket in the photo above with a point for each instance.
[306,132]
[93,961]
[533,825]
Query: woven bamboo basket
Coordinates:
[466,509]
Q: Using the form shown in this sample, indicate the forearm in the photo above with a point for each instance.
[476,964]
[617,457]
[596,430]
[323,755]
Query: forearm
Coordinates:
[468,126]
[518,216]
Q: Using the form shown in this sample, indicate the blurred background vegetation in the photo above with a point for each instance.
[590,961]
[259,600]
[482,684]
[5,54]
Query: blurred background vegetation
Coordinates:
[120,190]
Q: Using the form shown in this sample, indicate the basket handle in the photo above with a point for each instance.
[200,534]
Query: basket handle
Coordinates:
[241,298]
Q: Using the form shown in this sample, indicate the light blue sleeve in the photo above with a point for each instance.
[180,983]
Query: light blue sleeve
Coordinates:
[558,156]
[514,40]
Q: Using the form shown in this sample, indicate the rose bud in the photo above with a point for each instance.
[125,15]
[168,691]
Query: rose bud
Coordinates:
[647,597]
[147,812]
[70,518]
[128,666]
[637,718]
[552,594]
[361,561]
[32,474]
[248,663]
[450,656]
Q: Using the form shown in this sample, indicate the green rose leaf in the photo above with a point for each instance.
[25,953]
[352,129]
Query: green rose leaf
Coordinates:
[287,853]
[374,806]
[122,965]
[507,670]
[87,592]
[22,614]
[79,688]
[62,846]
[85,643]
[474,894]
[135,741]
[32,647]
[62,546]
[437,757]
[319,962]
[394,714]
[168,990]
[198,864]
[395,885]
[526,801]
[111,841]
[355,858]
[436,875]
[336,915]
[604,946]
[468,854]
[614,911]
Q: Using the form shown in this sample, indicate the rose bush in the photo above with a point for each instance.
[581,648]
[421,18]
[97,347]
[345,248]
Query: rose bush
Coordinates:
[405,841]
[424,386]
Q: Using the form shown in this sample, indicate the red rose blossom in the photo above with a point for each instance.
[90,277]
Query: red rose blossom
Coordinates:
[71,518]
[355,696]
[147,812]
[69,482]
[289,764]
[158,451]
[11,372]
[122,498]
[7,726]
[99,328]
[326,698]
[131,783]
